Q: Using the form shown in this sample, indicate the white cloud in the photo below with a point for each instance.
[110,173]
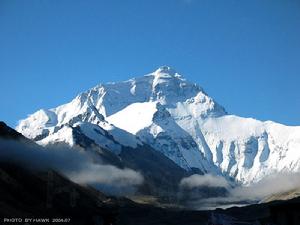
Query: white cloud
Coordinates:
[206,180]
[107,174]
[272,184]
[77,165]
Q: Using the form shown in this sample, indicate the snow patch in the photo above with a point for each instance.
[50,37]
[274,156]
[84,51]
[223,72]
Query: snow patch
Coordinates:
[134,117]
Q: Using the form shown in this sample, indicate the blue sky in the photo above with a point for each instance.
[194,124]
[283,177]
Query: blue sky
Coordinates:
[245,54]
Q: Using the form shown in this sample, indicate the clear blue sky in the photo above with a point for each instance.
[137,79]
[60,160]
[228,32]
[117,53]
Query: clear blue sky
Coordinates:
[245,54]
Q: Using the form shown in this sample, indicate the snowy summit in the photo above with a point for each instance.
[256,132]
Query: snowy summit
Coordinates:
[175,117]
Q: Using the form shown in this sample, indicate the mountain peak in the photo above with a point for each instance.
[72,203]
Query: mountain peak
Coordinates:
[175,117]
[165,71]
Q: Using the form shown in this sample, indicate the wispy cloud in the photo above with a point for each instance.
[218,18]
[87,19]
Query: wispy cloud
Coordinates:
[206,180]
[272,184]
[239,195]
[75,164]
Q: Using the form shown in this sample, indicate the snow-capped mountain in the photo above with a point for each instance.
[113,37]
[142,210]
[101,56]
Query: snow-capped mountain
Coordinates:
[175,117]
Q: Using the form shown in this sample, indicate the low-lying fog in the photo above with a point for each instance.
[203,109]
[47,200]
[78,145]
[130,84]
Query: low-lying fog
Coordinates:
[80,167]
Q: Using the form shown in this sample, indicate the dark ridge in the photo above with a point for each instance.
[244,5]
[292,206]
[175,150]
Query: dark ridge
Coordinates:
[7,132]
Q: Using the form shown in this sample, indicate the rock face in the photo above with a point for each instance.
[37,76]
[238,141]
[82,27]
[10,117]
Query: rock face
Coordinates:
[176,118]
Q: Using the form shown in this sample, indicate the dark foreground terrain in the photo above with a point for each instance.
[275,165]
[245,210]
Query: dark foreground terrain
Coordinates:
[50,196]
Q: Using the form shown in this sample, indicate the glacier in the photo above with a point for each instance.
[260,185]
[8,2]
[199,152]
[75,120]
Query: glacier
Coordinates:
[175,117]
